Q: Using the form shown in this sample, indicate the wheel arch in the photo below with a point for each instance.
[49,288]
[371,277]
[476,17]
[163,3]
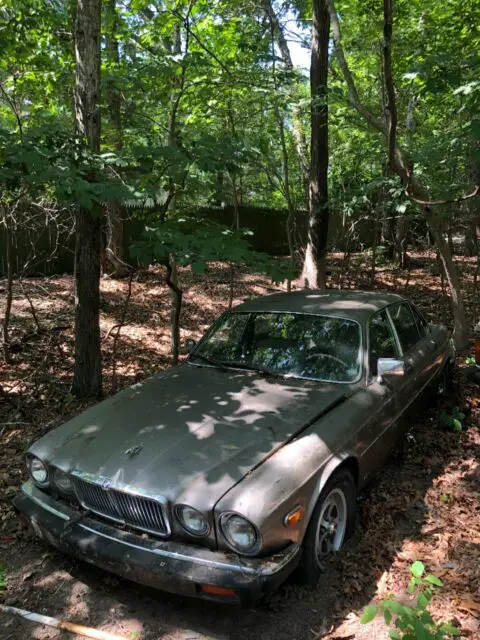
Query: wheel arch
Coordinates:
[348,462]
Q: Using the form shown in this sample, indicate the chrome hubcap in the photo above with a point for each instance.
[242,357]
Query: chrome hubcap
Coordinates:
[331,525]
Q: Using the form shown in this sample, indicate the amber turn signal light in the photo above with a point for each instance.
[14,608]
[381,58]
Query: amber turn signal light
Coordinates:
[293,517]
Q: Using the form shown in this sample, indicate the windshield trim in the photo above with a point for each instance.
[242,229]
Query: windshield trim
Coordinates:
[287,376]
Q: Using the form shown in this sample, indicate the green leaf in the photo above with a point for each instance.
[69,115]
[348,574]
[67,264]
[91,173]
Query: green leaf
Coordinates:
[422,601]
[457,425]
[387,614]
[369,613]
[394,635]
[450,629]
[434,580]
[420,631]
[412,585]
[417,569]
[3,577]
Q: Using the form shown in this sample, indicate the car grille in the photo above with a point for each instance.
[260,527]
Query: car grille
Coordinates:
[138,512]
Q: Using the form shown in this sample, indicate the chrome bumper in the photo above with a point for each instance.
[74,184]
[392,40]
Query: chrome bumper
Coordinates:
[167,565]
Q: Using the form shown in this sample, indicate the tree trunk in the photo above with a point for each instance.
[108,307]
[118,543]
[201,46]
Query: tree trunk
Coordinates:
[9,293]
[87,374]
[115,253]
[314,268]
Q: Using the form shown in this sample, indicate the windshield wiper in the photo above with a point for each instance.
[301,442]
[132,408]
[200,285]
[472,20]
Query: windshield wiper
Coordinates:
[212,361]
[257,369]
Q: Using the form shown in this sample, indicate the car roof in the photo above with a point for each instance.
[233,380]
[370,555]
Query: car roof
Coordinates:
[346,303]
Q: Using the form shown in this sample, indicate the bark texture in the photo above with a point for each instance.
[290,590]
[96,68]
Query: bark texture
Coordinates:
[314,268]
[87,375]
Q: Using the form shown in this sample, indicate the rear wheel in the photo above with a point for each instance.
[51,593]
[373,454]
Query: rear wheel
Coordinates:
[332,522]
[445,381]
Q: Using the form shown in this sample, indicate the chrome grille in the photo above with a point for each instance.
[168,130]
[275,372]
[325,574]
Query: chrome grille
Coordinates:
[136,511]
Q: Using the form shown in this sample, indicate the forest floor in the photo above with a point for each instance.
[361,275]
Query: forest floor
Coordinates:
[424,505]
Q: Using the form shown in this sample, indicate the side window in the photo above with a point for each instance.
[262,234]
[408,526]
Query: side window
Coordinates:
[422,324]
[405,325]
[381,341]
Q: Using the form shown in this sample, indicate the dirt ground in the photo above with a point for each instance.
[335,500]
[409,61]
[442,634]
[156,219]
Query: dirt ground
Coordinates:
[424,505]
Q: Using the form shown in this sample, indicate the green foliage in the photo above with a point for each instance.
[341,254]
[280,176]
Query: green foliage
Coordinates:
[470,360]
[412,622]
[3,577]
[452,420]
[196,243]
[231,89]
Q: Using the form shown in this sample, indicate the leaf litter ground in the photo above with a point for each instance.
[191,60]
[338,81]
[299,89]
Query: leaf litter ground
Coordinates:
[424,505]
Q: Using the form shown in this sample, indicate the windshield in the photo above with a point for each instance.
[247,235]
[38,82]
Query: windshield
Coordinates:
[299,345]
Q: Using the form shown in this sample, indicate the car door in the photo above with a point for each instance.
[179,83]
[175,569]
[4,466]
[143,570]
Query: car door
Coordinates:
[435,339]
[378,435]
[416,350]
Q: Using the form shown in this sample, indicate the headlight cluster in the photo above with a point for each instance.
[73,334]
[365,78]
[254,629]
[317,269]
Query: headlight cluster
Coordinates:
[44,476]
[62,481]
[192,520]
[38,471]
[240,534]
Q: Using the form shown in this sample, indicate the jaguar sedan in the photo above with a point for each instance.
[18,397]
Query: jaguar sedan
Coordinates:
[220,477]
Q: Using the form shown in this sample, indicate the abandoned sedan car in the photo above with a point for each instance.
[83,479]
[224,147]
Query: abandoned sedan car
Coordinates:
[219,477]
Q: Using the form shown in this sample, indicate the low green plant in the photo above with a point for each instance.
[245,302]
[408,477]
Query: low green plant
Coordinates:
[412,622]
[3,577]
[453,420]
[470,360]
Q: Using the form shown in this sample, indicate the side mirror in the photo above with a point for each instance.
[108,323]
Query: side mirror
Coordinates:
[189,345]
[390,367]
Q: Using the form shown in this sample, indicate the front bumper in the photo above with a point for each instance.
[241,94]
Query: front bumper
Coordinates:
[167,565]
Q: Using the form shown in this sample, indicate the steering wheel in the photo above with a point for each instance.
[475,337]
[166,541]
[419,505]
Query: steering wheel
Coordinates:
[319,354]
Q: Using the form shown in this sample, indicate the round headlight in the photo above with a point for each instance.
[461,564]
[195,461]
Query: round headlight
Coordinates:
[63,481]
[239,533]
[38,471]
[192,520]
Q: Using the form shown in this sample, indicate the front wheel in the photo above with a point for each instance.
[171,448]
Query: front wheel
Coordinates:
[332,522]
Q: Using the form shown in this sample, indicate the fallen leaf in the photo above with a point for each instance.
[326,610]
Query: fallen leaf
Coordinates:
[471,606]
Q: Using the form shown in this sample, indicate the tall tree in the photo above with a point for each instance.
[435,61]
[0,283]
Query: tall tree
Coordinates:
[87,375]
[397,160]
[314,267]
[115,252]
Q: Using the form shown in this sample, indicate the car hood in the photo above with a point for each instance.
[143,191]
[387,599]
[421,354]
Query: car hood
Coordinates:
[188,434]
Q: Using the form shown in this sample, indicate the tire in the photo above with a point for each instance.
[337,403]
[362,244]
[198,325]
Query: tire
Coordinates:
[339,493]
[445,380]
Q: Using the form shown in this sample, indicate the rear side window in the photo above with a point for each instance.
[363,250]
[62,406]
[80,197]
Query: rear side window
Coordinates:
[422,324]
[405,325]
[381,341]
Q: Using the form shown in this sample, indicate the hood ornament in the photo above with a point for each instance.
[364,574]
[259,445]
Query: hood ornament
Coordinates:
[133,451]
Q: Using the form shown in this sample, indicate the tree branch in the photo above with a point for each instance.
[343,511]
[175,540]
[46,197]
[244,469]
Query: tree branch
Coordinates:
[353,96]
[13,107]
[433,203]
